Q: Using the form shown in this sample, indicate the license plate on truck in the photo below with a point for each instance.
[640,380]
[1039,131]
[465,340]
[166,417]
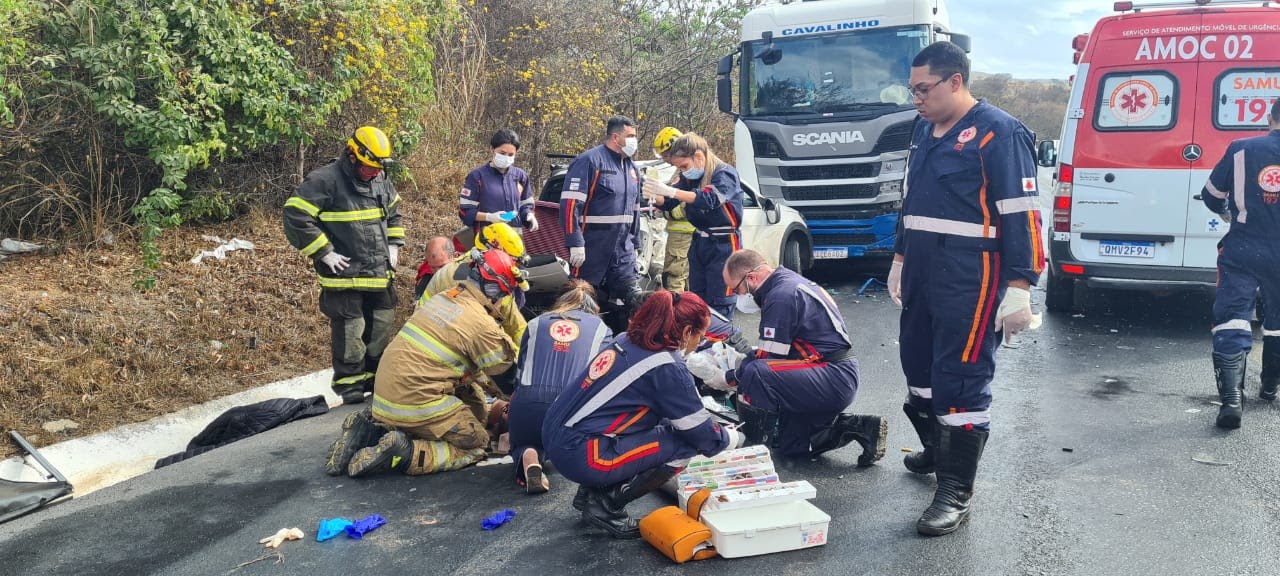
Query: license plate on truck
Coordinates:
[1127,249]
[830,253]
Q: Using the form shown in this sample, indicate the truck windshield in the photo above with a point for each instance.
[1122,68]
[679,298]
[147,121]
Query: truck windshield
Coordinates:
[831,73]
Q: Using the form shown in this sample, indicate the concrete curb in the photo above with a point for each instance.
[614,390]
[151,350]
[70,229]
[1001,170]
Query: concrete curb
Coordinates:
[101,460]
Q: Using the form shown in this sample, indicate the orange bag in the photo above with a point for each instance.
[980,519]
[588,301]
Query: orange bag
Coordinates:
[679,535]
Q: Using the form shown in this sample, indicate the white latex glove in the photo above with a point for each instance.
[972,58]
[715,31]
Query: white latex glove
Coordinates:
[655,188]
[706,368]
[275,540]
[533,222]
[393,254]
[1014,314]
[736,439]
[895,282]
[727,358]
[336,262]
[577,256]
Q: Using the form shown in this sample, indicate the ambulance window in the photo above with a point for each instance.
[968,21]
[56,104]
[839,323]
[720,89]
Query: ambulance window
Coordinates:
[1136,101]
[1242,98]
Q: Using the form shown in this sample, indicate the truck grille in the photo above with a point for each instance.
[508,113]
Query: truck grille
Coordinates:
[834,172]
[843,239]
[812,213]
[836,192]
[896,138]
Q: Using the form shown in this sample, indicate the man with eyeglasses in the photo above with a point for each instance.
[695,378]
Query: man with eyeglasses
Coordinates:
[968,250]
[804,374]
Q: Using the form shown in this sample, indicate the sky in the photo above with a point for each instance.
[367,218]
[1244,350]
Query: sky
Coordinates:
[1026,38]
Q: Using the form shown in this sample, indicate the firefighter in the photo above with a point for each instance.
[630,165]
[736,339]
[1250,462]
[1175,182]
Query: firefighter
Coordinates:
[496,236]
[556,348]
[427,388]
[498,191]
[804,371]
[1244,188]
[600,210]
[633,419]
[675,266]
[344,218]
[709,191]
[967,251]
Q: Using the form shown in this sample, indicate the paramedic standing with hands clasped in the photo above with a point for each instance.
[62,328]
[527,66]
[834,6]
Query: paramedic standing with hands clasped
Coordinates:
[1245,189]
[968,250]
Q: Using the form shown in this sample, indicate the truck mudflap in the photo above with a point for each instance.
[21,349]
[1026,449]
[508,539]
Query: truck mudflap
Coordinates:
[834,239]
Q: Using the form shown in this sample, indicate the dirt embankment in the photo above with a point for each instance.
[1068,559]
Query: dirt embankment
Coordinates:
[77,342]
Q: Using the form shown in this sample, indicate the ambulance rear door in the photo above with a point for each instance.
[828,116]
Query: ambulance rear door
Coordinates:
[1128,202]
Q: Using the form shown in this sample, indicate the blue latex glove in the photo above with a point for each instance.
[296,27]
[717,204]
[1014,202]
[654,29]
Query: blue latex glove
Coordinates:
[330,528]
[498,519]
[362,527]
[507,216]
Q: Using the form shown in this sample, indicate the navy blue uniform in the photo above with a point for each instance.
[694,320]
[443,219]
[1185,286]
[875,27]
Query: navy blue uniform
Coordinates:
[488,190]
[970,223]
[804,370]
[1245,188]
[716,213]
[631,411]
[554,350]
[722,329]
[599,208]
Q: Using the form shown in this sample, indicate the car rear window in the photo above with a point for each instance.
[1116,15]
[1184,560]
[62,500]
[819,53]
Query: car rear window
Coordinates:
[1136,101]
[1242,98]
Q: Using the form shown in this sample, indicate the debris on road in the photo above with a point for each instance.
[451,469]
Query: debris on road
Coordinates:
[1193,410]
[495,460]
[276,555]
[359,528]
[1210,461]
[908,450]
[331,528]
[493,522]
[1068,449]
[281,536]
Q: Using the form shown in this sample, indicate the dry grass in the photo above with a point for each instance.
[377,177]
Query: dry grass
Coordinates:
[77,342]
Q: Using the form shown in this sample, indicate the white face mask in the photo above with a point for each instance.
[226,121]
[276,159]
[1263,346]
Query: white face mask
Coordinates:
[502,161]
[747,304]
[630,146]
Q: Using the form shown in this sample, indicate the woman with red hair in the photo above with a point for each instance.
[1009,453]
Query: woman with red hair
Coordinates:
[633,420]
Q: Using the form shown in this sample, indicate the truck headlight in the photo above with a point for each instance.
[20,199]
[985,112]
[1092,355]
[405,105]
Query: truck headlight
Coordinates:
[894,167]
[891,187]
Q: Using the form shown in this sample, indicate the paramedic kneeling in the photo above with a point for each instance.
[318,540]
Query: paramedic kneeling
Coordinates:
[635,419]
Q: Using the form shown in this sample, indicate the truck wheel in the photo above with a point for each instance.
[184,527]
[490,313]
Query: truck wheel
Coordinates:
[1059,293]
[791,259]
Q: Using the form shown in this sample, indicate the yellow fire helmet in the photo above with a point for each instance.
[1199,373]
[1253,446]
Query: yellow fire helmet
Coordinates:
[502,236]
[663,141]
[371,146]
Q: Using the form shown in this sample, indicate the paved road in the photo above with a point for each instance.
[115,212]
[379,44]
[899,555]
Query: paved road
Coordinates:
[1090,471]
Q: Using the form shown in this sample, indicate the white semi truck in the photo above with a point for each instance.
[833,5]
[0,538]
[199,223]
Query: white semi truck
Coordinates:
[824,113]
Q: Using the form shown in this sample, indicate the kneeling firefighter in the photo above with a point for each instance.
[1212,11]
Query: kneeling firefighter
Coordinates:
[635,419]
[496,236]
[426,388]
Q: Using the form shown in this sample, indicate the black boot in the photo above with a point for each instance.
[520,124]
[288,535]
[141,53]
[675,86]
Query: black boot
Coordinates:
[393,452]
[957,464]
[1229,370]
[869,431]
[927,429]
[1270,368]
[759,426]
[607,508]
[359,430]
[350,393]
[580,498]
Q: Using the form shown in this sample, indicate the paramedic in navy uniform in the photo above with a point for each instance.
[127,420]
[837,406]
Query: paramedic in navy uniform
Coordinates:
[968,250]
[1245,189]
[599,207]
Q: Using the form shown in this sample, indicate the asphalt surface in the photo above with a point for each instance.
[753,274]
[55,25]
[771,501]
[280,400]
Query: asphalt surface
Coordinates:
[1092,469]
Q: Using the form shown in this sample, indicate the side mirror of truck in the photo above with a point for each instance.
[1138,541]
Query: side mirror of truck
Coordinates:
[1047,154]
[963,41]
[724,84]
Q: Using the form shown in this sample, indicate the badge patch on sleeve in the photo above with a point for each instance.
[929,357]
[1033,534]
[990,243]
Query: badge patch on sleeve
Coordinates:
[768,332]
[1028,184]
[466,192]
[574,184]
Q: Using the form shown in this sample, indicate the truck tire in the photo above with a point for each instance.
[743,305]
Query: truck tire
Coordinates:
[791,259]
[1059,293]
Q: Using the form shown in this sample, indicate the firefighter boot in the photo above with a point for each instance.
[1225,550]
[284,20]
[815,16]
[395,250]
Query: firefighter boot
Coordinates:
[956,464]
[869,431]
[607,508]
[1229,370]
[1270,368]
[927,429]
[359,430]
[393,452]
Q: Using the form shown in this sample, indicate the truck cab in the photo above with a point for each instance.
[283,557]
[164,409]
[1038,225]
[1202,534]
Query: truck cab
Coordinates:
[825,117]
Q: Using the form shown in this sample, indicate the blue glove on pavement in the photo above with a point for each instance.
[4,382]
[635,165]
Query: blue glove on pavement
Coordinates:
[498,519]
[362,527]
[330,528]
